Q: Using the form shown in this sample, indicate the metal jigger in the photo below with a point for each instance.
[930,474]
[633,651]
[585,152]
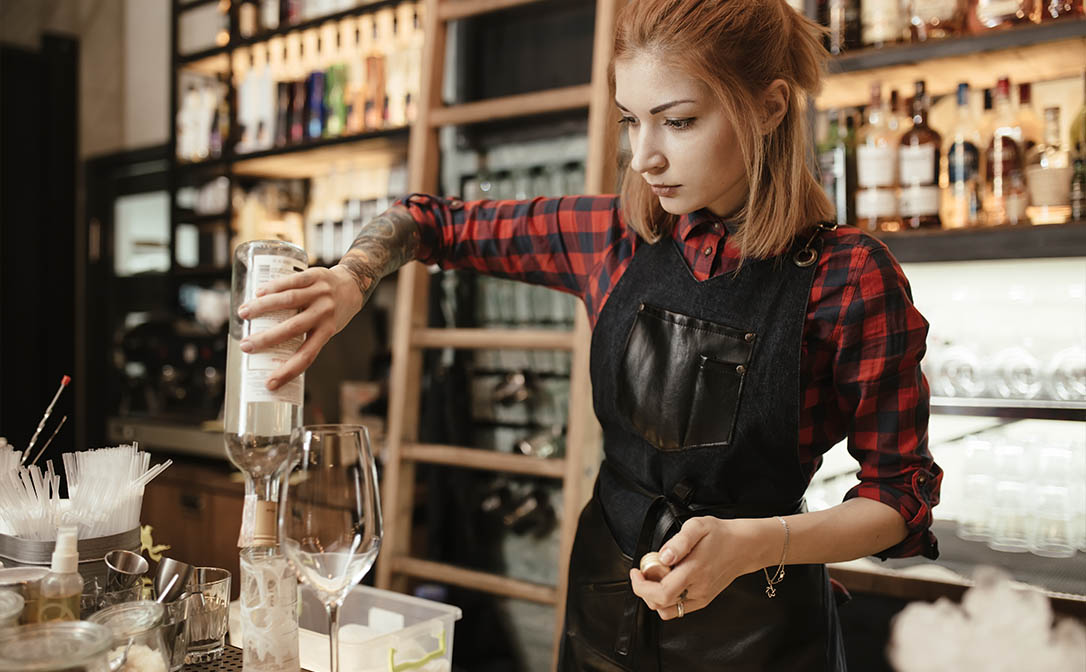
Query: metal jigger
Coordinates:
[171,579]
[123,569]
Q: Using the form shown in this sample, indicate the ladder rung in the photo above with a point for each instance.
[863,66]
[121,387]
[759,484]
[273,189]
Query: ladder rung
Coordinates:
[488,460]
[475,580]
[498,339]
[521,105]
[451,10]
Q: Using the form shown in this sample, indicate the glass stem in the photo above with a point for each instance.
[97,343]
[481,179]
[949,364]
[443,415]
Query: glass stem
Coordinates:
[333,634]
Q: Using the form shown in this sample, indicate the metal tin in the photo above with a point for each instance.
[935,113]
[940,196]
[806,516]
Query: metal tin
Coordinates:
[73,646]
[15,552]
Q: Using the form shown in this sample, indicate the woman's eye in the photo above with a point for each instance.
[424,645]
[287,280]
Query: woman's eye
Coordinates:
[679,124]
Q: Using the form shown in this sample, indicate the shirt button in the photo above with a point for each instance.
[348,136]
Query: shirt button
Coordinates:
[716,226]
[708,251]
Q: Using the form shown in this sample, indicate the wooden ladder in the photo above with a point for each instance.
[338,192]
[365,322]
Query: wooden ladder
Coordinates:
[411,335]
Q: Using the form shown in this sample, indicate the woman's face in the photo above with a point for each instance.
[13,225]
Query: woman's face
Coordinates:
[682,144]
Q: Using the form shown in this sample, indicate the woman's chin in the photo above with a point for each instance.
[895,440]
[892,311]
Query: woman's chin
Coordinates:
[676,206]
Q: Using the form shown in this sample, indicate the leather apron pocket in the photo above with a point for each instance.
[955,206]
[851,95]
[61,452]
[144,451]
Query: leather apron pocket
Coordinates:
[681,377]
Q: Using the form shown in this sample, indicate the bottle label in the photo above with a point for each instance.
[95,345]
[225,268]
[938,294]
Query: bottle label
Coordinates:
[875,166]
[996,9]
[258,366]
[963,162]
[944,10]
[1050,186]
[882,21]
[875,203]
[917,164]
[919,201]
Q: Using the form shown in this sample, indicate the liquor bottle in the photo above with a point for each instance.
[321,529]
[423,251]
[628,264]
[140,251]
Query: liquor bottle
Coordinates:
[415,41]
[258,421]
[876,169]
[935,19]
[1078,125]
[1005,196]
[898,120]
[837,160]
[998,14]
[883,22]
[842,17]
[1052,10]
[1031,125]
[962,207]
[1048,174]
[918,168]
[1078,186]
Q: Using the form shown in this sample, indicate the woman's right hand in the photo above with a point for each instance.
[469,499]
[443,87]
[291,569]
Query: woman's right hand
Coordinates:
[326,300]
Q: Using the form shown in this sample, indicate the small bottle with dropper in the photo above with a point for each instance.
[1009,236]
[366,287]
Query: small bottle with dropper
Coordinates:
[62,587]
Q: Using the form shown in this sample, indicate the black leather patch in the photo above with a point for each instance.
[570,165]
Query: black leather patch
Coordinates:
[681,379]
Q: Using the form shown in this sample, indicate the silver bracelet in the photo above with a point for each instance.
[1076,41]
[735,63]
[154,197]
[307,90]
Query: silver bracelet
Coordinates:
[778,576]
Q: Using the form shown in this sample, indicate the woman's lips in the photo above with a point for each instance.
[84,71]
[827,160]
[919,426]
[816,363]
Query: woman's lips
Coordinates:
[665,190]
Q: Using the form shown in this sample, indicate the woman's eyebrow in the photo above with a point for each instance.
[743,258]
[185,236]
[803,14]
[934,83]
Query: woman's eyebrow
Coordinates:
[658,108]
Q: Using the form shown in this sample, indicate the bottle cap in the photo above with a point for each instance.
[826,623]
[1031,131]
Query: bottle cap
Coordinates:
[66,551]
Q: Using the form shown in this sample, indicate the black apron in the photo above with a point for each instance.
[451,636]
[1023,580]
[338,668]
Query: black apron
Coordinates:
[697,388]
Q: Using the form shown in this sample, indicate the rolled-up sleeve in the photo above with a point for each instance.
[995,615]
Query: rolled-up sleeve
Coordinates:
[554,242]
[881,340]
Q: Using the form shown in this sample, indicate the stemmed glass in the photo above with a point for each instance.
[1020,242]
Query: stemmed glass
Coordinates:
[330,514]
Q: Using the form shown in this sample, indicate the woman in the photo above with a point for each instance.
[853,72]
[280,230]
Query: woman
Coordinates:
[737,336]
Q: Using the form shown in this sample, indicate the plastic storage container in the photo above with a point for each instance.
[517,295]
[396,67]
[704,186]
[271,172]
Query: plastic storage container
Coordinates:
[72,646]
[380,631]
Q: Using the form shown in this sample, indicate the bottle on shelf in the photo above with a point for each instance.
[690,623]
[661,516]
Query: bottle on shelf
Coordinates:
[62,588]
[1048,174]
[883,22]
[935,19]
[1005,197]
[1051,10]
[375,75]
[918,168]
[1031,125]
[898,118]
[999,14]
[876,169]
[962,208]
[837,161]
[1078,186]
[842,17]
[1078,125]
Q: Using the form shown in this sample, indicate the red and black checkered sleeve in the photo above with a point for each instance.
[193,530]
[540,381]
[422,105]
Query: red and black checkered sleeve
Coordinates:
[881,340]
[554,242]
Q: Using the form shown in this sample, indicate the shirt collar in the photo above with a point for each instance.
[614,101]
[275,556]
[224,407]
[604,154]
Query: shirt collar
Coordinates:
[702,220]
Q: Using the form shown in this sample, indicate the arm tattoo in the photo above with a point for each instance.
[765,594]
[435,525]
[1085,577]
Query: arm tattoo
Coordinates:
[385,243]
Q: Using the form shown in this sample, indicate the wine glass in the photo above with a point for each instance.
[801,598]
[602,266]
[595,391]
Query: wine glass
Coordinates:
[330,514]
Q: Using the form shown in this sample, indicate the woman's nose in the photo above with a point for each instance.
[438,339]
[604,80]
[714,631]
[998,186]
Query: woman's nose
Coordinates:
[646,156]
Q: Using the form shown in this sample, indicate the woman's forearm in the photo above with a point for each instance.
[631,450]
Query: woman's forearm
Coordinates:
[384,244]
[853,529]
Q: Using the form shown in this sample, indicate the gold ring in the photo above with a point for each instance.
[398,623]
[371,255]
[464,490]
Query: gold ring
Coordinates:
[679,606]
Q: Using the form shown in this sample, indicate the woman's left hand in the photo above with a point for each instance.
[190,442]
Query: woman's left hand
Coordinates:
[705,557]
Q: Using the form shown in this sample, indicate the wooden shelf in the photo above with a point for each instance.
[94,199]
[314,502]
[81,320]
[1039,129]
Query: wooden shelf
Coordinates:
[475,580]
[183,217]
[309,158]
[523,105]
[452,10]
[496,339]
[486,460]
[1010,408]
[1034,53]
[1008,242]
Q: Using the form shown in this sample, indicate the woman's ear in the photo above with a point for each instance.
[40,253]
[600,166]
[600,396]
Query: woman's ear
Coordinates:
[774,105]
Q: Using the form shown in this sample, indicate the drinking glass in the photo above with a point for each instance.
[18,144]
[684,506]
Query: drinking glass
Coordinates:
[330,514]
[208,615]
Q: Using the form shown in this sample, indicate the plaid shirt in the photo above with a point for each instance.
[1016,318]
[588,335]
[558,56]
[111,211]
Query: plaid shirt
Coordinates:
[862,339]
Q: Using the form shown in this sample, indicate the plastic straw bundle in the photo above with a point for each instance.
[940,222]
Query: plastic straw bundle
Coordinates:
[105,487]
[29,499]
[105,493]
